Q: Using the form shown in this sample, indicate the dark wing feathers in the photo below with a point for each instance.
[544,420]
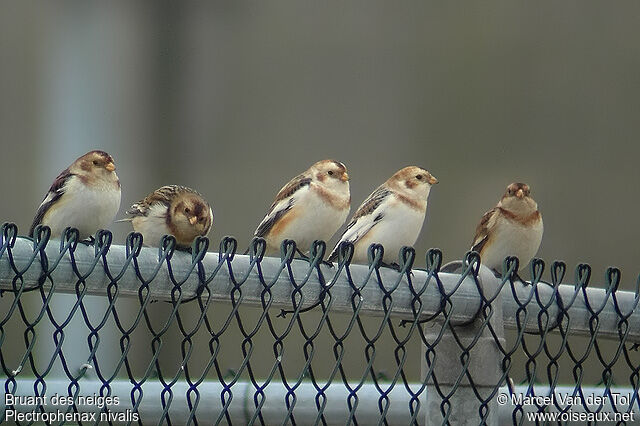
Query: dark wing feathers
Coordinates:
[290,188]
[482,235]
[162,195]
[287,191]
[55,192]
[266,225]
[369,205]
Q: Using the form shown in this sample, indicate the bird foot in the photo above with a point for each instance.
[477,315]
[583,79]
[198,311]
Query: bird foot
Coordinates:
[89,241]
[514,277]
[394,266]
[307,258]
[517,277]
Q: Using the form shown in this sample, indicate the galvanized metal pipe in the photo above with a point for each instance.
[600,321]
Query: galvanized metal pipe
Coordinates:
[465,299]
[474,352]
[242,406]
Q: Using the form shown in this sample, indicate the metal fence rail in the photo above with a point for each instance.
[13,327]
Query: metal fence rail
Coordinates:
[247,339]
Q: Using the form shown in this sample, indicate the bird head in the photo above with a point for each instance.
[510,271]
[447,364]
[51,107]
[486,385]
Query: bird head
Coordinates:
[95,165]
[517,198]
[191,216]
[330,173]
[413,180]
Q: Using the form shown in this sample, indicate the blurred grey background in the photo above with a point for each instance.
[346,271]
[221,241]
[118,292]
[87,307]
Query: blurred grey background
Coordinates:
[235,98]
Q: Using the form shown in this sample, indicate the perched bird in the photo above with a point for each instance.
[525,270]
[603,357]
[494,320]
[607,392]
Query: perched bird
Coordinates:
[392,215]
[171,210]
[86,196]
[511,228]
[312,206]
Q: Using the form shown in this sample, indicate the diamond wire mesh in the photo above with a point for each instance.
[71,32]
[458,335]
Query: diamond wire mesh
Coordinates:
[304,343]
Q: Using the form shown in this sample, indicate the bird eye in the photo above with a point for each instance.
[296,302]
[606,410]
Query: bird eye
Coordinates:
[201,219]
[95,162]
[330,172]
[186,210]
[419,177]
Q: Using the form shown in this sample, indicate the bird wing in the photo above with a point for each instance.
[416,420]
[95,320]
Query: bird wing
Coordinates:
[162,195]
[482,230]
[293,186]
[55,192]
[364,219]
[284,201]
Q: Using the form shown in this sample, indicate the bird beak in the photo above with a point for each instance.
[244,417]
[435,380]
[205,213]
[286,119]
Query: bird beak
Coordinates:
[432,180]
[193,220]
[345,177]
[110,167]
[520,193]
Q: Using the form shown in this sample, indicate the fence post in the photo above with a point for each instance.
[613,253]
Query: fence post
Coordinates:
[460,404]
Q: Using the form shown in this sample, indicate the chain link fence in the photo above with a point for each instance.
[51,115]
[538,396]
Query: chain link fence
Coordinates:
[110,334]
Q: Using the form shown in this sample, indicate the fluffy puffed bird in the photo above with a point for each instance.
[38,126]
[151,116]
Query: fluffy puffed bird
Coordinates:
[171,210]
[392,215]
[311,206]
[512,228]
[86,196]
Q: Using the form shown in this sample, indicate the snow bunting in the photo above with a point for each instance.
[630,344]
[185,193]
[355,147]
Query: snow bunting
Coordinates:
[392,215]
[86,196]
[312,206]
[511,228]
[171,210]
